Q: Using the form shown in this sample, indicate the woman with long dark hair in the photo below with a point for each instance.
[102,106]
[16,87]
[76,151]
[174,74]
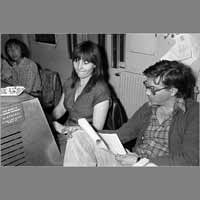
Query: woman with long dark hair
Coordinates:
[85,93]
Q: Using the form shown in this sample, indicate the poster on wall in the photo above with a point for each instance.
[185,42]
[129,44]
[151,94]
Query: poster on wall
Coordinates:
[185,49]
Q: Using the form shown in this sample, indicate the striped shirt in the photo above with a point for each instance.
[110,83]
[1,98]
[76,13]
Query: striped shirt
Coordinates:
[26,74]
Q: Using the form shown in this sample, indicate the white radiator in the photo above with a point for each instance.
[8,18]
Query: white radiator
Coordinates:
[131,91]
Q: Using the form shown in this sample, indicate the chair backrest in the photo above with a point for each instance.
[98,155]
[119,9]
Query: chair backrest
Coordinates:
[51,87]
[116,115]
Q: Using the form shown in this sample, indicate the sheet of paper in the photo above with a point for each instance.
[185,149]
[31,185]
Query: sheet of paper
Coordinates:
[83,123]
[108,141]
[141,162]
[114,143]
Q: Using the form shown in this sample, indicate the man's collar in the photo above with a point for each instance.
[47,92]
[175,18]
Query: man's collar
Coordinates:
[179,104]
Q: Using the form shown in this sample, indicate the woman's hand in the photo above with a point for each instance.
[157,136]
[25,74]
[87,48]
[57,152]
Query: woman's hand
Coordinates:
[59,127]
[66,130]
[71,129]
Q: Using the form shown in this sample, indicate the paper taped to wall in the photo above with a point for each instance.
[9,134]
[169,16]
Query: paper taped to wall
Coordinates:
[185,49]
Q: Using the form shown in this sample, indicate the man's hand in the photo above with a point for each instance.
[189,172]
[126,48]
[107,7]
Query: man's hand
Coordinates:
[128,160]
[144,162]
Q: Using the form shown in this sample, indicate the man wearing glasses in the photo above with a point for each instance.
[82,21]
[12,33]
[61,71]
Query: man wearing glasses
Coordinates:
[166,127]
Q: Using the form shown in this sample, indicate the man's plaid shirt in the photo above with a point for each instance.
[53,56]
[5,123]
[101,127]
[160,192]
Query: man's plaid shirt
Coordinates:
[155,139]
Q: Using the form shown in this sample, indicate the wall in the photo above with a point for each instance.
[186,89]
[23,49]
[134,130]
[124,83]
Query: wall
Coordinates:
[4,38]
[54,57]
[149,48]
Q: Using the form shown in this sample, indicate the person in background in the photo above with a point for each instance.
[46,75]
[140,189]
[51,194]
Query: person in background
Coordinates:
[18,69]
[6,71]
[85,93]
[166,127]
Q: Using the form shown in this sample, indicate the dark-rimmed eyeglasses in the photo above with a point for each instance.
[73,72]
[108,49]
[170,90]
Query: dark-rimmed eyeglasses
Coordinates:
[152,88]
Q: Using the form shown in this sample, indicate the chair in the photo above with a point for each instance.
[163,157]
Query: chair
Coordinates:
[116,115]
[51,88]
[116,118]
